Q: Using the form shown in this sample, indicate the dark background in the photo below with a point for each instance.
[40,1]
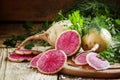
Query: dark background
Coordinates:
[35,10]
[31,10]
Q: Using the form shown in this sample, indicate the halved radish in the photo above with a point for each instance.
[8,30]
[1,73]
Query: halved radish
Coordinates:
[69,41]
[94,61]
[20,58]
[50,35]
[51,61]
[102,37]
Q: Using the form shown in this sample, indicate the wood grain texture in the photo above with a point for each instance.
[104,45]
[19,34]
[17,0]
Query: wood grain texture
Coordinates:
[3,63]
[37,10]
[22,71]
[87,71]
[29,10]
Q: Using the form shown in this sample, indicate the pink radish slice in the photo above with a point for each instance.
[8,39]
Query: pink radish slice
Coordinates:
[19,58]
[34,60]
[51,61]
[81,59]
[69,41]
[26,51]
[96,62]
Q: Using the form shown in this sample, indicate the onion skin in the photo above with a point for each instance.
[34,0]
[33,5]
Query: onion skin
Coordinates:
[102,38]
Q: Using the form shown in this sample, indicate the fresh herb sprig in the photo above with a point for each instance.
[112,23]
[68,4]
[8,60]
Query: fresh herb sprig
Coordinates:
[105,16]
[112,54]
[77,22]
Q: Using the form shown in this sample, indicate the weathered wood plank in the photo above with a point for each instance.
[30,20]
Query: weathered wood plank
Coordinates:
[22,71]
[3,62]
[19,71]
[67,77]
[107,79]
[29,10]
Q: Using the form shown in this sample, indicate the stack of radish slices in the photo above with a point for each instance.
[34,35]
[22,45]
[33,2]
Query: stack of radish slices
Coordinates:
[23,55]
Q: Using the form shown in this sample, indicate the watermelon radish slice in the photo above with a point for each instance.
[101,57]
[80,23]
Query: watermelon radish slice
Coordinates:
[96,62]
[26,51]
[34,60]
[20,58]
[81,59]
[69,41]
[51,61]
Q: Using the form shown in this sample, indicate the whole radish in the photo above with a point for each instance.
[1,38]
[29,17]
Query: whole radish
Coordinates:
[102,37]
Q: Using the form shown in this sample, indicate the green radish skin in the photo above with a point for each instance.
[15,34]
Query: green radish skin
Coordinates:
[102,38]
[50,35]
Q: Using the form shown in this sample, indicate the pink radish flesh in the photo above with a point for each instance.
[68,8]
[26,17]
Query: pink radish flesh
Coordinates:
[81,59]
[19,58]
[33,62]
[51,61]
[26,51]
[96,62]
[69,42]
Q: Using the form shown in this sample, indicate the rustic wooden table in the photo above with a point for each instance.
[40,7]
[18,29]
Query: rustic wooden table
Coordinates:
[22,71]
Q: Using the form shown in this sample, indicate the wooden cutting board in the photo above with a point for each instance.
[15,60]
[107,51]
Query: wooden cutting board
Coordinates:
[86,71]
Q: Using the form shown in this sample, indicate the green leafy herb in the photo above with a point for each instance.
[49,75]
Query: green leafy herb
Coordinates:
[117,21]
[29,45]
[28,26]
[45,25]
[77,21]
[112,54]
